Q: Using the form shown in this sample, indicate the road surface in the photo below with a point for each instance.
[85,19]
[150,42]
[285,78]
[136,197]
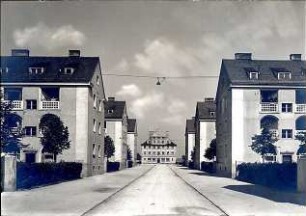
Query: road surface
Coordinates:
[159,192]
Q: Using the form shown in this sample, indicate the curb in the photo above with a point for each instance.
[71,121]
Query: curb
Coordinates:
[190,185]
[109,197]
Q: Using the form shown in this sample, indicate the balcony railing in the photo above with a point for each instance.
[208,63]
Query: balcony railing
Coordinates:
[16,104]
[300,108]
[50,105]
[269,107]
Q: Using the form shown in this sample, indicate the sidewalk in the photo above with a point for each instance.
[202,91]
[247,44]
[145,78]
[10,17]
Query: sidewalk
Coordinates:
[69,198]
[241,198]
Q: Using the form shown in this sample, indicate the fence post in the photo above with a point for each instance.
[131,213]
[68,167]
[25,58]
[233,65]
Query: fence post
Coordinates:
[8,173]
[301,174]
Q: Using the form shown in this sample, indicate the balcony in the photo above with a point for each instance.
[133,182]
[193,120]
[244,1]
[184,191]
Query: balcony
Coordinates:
[16,104]
[269,108]
[300,108]
[47,105]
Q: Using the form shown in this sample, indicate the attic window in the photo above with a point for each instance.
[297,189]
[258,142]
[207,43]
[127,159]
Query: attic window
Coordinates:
[4,70]
[36,70]
[68,70]
[212,114]
[98,80]
[283,75]
[110,111]
[253,75]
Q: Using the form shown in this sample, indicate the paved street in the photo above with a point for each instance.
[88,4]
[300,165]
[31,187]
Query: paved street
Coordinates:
[153,190]
[159,192]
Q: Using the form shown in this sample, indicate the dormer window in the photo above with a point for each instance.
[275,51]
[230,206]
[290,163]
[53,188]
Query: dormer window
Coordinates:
[36,70]
[253,75]
[283,75]
[212,114]
[110,111]
[68,70]
[98,80]
[4,70]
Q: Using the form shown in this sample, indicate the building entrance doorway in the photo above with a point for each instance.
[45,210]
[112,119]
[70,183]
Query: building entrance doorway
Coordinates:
[158,160]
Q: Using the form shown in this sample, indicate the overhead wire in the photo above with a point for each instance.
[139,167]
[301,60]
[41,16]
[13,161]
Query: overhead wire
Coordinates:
[164,77]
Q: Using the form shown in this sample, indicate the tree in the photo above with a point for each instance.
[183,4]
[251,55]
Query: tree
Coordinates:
[211,151]
[10,140]
[263,143]
[301,136]
[109,147]
[192,154]
[138,157]
[55,135]
[128,153]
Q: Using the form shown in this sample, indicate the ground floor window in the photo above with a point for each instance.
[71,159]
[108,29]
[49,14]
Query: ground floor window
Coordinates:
[270,158]
[30,157]
[287,158]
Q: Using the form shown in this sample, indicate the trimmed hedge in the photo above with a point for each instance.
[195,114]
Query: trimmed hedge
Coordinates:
[35,174]
[276,175]
[113,166]
[208,167]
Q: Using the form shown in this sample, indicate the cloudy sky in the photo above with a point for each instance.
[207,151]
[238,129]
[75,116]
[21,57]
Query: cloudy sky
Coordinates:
[157,38]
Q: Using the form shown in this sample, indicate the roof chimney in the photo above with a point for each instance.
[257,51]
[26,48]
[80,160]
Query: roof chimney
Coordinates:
[20,52]
[243,56]
[295,57]
[209,99]
[74,53]
[111,98]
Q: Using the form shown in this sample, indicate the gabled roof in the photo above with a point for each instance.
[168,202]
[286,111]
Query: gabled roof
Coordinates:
[237,71]
[204,110]
[190,127]
[18,69]
[114,109]
[132,125]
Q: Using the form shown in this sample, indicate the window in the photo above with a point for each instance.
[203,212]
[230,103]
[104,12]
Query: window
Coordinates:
[269,96]
[98,80]
[30,157]
[99,128]
[94,125]
[270,158]
[149,153]
[68,70]
[94,151]
[287,133]
[4,70]
[287,158]
[31,104]
[286,107]
[12,93]
[94,101]
[110,111]
[212,114]
[100,106]
[36,70]
[30,131]
[283,75]
[99,151]
[253,75]
[50,94]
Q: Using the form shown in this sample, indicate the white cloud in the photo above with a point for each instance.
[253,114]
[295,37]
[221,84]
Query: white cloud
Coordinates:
[175,112]
[129,90]
[49,38]
[149,102]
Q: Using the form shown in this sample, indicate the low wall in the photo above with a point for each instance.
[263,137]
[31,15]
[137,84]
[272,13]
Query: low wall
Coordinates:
[301,175]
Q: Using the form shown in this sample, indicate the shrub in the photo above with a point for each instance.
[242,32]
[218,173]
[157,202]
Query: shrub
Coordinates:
[112,166]
[36,174]
[208,167]
[281,176]
[130,164]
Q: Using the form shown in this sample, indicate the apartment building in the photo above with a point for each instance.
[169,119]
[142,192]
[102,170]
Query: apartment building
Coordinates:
[132,137]
[255,94]
[158,148]
[205,128]
[69,87]
[189,139]
[116,126]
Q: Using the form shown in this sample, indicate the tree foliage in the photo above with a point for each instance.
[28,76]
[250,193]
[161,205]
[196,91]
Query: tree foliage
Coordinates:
[138,157]
[192,154]
[109,147]
[263,143]
[301,136]
[55,135]
[10,140]
[211,151]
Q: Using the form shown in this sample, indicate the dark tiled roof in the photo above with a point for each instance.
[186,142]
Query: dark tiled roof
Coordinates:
[237,71]
[190,127]
[131,125]
[204,109]
[84,68]
[147,143]
[114,109]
